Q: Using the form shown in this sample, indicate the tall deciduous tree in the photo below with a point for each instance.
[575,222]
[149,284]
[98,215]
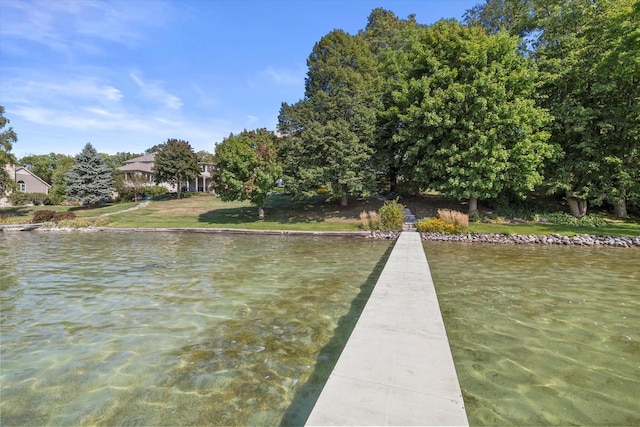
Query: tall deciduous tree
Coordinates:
[7,138]
[588,53]
[390,39]
[248,167]
[469,119]
[90,180]
[330,133]
[176,163]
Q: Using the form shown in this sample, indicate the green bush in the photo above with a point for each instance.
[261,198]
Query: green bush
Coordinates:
[437,226]
[18,198]
[392,215]
[563,218]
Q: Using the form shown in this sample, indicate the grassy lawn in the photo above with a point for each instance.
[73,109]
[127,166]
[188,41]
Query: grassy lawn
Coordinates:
[207,211]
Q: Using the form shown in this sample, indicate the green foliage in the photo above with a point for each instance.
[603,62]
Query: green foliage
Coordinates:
[90,180]
[563,218]
[18,198]
[391,215]
[176,163]
[330,133]
[471,128]
[7,139]
[248,166]
[437,225]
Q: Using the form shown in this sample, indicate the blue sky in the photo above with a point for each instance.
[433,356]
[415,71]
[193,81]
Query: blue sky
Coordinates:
[127,75]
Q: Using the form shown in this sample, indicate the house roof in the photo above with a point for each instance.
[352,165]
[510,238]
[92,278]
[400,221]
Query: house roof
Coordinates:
[137,167]
[14,172]
[147,158]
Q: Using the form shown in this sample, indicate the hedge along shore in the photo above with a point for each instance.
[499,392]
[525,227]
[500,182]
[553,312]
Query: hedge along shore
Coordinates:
[518,239]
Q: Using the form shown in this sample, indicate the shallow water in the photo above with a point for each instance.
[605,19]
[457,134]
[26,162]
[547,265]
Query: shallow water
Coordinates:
[542,335]
[174,328]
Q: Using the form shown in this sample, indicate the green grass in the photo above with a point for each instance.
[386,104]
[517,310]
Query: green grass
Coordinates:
[207,211]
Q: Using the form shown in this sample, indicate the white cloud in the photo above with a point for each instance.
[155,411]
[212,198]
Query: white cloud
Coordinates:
[71,26]
[154,91]
[285,77]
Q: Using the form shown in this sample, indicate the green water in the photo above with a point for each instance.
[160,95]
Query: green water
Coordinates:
[542,335]
[172,328]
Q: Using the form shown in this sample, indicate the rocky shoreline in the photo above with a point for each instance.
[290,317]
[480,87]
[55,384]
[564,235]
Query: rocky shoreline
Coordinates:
[525,239]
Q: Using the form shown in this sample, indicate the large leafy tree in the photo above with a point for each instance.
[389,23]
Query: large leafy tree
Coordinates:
[7,138]
[330,133]
[176,163]
[469,120]
[589,55]
[248,167]
[58,190]
[390,39]
[90,180]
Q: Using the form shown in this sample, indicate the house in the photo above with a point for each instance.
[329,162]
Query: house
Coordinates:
[26,182]
[143,166]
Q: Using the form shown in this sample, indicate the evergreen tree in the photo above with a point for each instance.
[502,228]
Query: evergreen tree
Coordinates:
[330,133]
[90,181]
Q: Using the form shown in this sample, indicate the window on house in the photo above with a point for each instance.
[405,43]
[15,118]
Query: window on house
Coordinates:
[22,186]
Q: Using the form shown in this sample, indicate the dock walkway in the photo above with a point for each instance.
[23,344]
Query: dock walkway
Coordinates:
[396,368]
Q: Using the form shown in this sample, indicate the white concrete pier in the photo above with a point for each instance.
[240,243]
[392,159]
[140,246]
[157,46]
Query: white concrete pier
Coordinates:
[396,368]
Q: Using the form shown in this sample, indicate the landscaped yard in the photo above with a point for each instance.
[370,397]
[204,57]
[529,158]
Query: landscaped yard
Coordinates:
[207,211]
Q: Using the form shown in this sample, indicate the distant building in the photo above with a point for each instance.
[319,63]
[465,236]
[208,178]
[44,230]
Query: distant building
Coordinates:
[143,166]
[26,182]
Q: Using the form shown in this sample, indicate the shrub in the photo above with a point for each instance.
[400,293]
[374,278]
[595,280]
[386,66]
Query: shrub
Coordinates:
[370,220]
[63,216]
[42,216]
[454,217]
[437,225]
[46,216]
[392,215]
[18,198]
[563,218]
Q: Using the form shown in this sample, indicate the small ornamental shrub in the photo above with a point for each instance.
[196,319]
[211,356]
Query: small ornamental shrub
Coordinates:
[63,216]
[392,216]
[46,216]
[438,226]
[42,216]
[454,217]
[370,220]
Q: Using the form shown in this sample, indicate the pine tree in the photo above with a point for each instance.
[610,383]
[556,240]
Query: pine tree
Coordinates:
[90,181]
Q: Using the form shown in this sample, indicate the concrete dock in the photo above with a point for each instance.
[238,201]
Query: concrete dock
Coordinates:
[396,368]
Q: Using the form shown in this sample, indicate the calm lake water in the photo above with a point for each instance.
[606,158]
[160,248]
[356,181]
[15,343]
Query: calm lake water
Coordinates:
[172,328]
[542,335]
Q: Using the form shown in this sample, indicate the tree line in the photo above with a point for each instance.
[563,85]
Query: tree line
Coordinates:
[523,95]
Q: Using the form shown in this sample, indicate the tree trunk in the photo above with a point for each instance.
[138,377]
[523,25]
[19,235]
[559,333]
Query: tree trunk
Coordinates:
[473,207]
[620,208]
[577,206]
[343,202]
[261,213]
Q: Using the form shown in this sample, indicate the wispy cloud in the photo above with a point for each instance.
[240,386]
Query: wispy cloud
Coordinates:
[285,76]
[153,90]
[70,26]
